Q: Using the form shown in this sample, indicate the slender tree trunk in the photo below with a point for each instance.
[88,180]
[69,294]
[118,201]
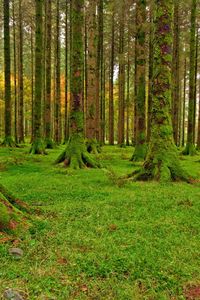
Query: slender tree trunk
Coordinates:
[76,154]
[198,132]
[111,82]
[21,80]
[150,73]
[8,141]
[91,109]
[32,84]
[190,147]
[184,102]
[175,74]
[140,146]
[48,129]
[66,121]
[38,146]
[121,105]
[15,73]
[195,88]
[58,129]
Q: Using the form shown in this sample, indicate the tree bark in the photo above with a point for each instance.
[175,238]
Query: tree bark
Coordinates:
[8,140]
[162,162]
[140,96]
[76,155]
[190,147]
[38,146]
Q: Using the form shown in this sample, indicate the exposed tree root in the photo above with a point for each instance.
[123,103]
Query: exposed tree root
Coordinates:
[93,146]
[9,142]
[189,150]
[49,144]
[38,147]
[139,153]
[13,213]
[76,155]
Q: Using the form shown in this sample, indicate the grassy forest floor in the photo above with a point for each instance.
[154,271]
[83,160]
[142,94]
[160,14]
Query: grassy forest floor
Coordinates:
[97,240]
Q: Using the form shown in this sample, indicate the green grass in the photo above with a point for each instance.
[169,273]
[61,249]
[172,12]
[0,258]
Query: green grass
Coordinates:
[97,240]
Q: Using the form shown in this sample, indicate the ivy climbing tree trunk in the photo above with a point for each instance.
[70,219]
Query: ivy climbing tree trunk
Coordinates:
[162,162]
[8,141]
[190,147]
[38,146]
[76,155]
[140,93]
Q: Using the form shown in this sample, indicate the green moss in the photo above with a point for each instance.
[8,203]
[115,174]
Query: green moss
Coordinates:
[38,146]
[76,155]
[4,216]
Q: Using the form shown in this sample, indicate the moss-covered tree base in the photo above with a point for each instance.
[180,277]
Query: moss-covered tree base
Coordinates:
[9,142]
[49,144]
[161,164]
[38,147]
[139,153]
[13,213]
[76,155]
[93,146]
[189,150]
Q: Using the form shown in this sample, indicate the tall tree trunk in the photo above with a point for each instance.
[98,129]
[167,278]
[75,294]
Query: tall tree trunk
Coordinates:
[198,132]
[15,73]
[38,146]
[91,109]
[184,102]
[195,88]
[121,102]
[150,73]
[58,129]
[111,82]
[101,58]
[8,141]
[66,121]
[32,84]
[21,80]
[190,147]
[140,146]
[48,129]
[175,74]
[162,161]
[76,154]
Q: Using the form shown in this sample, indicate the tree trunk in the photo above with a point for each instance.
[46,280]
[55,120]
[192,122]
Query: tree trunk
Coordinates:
[8,141]
[66,121]
[58,130]
[91,78]
[190,147]
[48,130]
[162,162]
[38,146]
[111,82]
[140,146]
[184,102]
[15,73]
[21,80]
[175,74]
[76,155]
[198,132]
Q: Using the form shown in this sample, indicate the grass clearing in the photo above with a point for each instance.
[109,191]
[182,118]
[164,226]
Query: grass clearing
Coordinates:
[99,241]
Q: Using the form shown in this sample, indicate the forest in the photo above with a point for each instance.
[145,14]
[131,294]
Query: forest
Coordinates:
[100,149]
